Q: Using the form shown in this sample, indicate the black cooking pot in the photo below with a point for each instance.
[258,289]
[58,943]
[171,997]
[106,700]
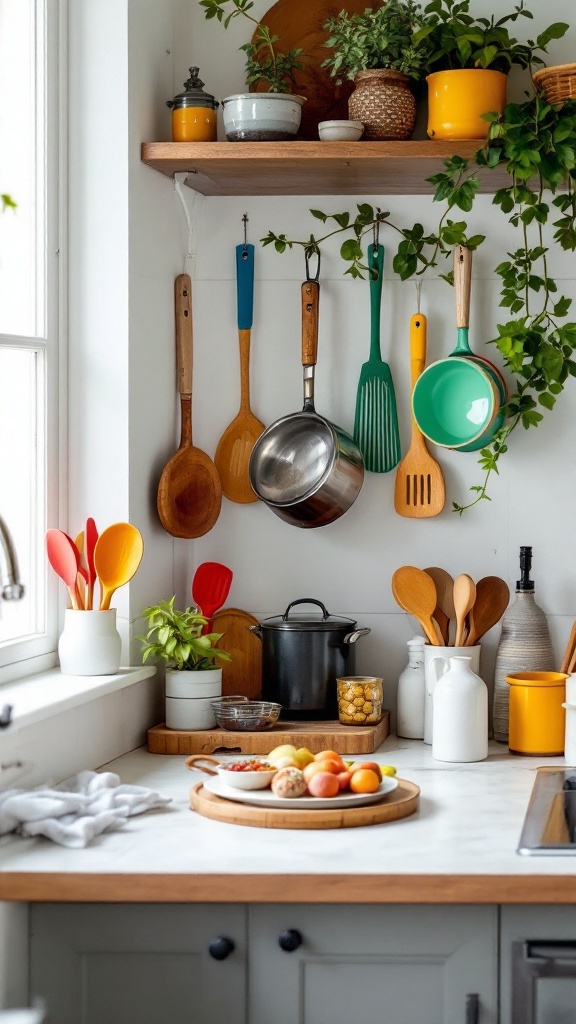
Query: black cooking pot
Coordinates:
[302,658]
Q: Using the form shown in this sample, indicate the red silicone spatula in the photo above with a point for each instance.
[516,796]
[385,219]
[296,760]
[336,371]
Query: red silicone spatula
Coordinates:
[64,557]
[210,588]
[90,538]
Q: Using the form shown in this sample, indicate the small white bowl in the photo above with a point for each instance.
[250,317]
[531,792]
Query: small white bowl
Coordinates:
[246,780]
[340,131]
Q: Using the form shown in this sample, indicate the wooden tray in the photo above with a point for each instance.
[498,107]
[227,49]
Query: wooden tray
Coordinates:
[400,804]
[316,736]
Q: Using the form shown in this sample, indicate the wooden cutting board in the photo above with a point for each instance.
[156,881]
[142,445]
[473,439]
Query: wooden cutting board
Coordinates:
[243,675]
[298,25]
[400,804]
[316,736]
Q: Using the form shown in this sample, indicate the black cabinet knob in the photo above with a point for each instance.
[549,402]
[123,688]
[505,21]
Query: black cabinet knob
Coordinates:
[221,947]
[472,1008]
[290,940]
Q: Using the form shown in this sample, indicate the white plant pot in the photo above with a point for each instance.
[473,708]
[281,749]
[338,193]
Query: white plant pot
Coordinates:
[90,644]
[189,697]
[262,116]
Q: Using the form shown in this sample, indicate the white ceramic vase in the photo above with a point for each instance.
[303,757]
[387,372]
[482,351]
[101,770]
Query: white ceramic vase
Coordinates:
[433,653]
[90,644]
[459,712]
[262,116]
[189,697]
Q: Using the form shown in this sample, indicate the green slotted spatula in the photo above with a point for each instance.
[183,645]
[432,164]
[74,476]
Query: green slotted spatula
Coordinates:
[376,422]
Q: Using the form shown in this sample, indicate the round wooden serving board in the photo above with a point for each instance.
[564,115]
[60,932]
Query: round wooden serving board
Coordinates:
[399,804]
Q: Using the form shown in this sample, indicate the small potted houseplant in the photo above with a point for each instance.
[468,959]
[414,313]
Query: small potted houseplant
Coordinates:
[274,114]
[376,51]
[193,675]
[467,61]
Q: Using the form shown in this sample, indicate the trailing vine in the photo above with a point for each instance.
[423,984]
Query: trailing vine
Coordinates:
[536,142]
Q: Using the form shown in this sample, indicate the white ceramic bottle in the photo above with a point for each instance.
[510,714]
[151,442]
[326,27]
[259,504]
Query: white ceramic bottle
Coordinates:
[410,693]
[459,714]
[524,646]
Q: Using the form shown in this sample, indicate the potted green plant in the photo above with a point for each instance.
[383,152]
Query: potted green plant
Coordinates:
[467,60]
[274,114]
[376,51]
[193,677]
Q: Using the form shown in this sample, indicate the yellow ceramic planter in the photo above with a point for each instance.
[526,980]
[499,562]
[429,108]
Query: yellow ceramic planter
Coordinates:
[537,715]
[457,99]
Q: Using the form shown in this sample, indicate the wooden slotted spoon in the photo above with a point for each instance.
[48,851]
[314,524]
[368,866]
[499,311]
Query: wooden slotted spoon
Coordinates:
[419,490]
[492,599]
[415,592]
[234,447]
[464,597]
[189,493]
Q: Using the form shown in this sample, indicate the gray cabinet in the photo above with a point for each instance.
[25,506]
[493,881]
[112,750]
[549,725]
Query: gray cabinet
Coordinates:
[139,963]
[145,964]
[538,965]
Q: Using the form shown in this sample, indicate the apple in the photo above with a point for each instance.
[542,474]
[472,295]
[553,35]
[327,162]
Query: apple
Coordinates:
[286,753]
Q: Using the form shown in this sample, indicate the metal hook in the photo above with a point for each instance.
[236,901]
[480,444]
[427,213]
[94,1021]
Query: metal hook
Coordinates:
[308,254]
[418,287]
[245,243]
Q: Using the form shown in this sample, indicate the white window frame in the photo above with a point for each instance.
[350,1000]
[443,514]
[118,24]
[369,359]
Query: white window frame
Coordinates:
[25,657]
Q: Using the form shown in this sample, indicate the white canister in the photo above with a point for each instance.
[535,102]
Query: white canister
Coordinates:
[410,693]
[570,731]
[444,653]
[459,712]
[189,697]
[90,644]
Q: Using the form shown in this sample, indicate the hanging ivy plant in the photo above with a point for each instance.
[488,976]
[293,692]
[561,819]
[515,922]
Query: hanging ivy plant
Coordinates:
[536,143]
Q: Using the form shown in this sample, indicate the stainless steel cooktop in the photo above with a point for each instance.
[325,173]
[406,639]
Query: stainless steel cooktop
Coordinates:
[550,822]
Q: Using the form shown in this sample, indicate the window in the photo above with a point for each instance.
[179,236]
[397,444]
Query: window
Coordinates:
[29,300]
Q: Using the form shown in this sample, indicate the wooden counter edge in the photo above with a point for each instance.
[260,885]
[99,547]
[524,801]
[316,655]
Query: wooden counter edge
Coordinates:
[40,887]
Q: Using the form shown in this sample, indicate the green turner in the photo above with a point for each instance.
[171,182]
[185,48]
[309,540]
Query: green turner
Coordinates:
[376,421]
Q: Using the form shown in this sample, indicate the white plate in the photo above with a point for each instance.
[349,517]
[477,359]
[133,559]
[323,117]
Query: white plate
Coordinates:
[266,798]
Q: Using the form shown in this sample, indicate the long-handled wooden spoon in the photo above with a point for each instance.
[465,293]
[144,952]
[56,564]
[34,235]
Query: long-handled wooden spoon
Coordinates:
[570,649]
[444,612]
[189,493]
[419,489]
[63,557]
[464,597]
[415,592]
[117,555]
[234,447]
[492,598]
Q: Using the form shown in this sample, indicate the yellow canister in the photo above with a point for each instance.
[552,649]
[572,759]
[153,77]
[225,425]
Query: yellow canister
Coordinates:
[193,112]
[537,715]
[457,99]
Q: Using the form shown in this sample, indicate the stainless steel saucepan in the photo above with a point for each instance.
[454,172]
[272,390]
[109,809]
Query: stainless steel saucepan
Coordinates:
[306,469]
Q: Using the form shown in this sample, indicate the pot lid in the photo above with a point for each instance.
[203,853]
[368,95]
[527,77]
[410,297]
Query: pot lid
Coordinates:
[194,95]
[312,620]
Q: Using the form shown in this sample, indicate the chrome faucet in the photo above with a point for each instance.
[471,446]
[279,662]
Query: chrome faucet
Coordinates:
[11,588]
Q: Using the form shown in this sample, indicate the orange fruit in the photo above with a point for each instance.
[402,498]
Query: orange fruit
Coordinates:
[323,784]
[364,781]
[314,767]
[372,765]
[330,755]
[344,779]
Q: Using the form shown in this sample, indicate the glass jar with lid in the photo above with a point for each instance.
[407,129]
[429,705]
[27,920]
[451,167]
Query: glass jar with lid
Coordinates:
[193,112]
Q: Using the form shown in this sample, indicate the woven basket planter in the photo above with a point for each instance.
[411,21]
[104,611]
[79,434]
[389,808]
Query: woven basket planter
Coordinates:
[383,101]
[558,83]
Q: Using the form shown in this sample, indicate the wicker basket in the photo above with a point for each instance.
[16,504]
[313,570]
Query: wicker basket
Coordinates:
[384,103]
[558,83]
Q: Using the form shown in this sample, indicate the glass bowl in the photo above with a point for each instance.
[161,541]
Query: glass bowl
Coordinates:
[243,715]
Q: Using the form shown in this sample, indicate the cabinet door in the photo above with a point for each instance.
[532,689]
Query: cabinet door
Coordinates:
[538,965]
[391,964]
[138,964]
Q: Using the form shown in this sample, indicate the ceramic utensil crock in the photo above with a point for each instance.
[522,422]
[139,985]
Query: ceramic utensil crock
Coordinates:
[90,644]
[537,716]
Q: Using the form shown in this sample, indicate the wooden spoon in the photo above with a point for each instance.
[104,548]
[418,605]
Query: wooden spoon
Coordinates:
[63,557]
[570,648]
[117,555]
[492,599]
[234,447]
[444,612]
[415,592]
[189,493]
[464,597]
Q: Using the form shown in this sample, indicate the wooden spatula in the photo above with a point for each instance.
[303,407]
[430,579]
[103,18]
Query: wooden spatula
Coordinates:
[415,592]
[492,599]
[419,490]
[464,597]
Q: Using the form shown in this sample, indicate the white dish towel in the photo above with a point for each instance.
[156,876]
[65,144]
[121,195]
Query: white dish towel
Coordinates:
[75,811]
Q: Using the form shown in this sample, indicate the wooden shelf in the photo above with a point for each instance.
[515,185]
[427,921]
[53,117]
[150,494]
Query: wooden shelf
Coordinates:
[312,168]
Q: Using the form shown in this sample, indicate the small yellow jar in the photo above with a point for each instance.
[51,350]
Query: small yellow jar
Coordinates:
[193,112]
[359,700]
[537,715]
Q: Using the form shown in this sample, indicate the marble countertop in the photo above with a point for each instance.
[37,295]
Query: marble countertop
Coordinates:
[459,847]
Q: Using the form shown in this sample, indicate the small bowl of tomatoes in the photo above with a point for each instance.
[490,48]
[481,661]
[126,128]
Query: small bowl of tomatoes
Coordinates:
[251,773]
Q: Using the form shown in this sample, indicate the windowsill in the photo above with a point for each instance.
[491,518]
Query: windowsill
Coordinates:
[46,694]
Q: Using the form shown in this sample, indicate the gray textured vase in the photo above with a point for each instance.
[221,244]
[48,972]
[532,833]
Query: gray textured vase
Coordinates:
[524,646]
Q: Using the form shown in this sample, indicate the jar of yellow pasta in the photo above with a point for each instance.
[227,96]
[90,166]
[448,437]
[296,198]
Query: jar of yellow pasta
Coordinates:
[359,700]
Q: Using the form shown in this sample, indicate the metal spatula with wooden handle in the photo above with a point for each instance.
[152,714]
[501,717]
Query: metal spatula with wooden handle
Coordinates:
[419,490]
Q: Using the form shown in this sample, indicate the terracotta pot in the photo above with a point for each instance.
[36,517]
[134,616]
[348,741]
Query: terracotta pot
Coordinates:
[384,102]
[457,99]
